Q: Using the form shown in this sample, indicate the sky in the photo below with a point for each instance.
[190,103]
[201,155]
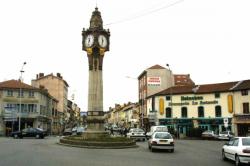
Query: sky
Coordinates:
[208,39]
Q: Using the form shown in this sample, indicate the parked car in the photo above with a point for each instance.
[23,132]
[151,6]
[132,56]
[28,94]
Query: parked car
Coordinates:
[67,131]
[209,134]
[154,129]
[225,135]
[137,134]
[161,140]
[78,130]
[238,150]
[29,132]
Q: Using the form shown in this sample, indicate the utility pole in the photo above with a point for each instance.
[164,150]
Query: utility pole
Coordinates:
[20,97]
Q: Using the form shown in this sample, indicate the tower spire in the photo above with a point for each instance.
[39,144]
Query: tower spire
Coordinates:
[96,20]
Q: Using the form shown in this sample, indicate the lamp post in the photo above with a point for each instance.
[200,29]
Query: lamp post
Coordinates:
[20,97]
[171,100]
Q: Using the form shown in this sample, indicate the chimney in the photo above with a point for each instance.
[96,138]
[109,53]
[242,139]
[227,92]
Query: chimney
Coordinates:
[58,75]
[41,75]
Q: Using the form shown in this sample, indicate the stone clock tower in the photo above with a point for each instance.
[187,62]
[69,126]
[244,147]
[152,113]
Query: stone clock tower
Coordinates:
[95,41]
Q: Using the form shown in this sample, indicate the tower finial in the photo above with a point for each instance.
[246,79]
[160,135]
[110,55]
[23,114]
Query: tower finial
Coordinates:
[96,20]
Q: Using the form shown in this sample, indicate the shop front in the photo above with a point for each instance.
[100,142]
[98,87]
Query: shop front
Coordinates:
[242,125]
[183,125]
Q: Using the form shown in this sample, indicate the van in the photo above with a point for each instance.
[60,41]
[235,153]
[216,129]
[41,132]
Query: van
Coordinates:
[156,128]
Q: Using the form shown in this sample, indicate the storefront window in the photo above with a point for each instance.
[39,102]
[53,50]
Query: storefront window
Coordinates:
[200,112]
[168,112]
[217,111]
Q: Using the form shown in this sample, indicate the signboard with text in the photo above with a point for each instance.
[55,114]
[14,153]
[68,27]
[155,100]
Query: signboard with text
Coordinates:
[154,81]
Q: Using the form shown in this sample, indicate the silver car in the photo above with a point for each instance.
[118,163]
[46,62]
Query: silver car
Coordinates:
[161,140]
[137,134]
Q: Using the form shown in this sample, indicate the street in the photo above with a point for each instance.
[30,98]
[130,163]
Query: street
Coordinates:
[45,152]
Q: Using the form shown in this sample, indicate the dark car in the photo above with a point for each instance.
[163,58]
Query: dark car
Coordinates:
[29,132]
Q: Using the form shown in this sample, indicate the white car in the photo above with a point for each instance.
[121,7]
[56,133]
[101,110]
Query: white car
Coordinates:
[78,130]
[238,150]
[225,135]
[137,134]
[161,140]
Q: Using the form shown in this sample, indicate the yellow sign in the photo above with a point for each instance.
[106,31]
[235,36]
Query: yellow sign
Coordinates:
[89,51]
[230,103]
[102,50]
[161,106]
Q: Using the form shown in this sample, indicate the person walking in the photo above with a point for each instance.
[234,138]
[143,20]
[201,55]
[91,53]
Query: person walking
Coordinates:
[111,131]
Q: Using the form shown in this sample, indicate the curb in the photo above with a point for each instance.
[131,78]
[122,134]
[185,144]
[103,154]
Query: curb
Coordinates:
[97,147]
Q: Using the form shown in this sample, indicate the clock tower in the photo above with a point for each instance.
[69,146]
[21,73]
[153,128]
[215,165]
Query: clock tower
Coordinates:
[95,41]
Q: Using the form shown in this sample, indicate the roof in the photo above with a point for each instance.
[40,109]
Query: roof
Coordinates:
[58,77]
[219,87]
[152,67]
[16,84]
[206,88]
[183,79]
[245,84]
[157,67]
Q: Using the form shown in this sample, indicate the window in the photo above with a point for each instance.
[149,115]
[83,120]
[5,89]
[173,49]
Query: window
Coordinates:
[9,93]
[246,108]
[244,92]
[168,97]
[200,111]
[217,111]
[236,142]
[184,112]
[217,95]
[246,141]
[31,94]
[168,112]
[20,93]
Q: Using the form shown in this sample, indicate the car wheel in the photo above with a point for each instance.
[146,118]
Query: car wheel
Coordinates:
[172,150]
[223,155]
[237,161]
[37,136]
[152,150]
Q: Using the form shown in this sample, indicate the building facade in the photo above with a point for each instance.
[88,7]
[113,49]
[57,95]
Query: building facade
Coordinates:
[22,105]
[58,88]
[151,81]
[241,100]
[208,107]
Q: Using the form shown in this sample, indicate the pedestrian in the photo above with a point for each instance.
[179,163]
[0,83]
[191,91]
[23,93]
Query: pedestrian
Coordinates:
[111,131]
[125,131]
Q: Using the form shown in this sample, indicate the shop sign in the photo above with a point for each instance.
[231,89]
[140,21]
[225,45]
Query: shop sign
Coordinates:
[192,98]
[161,106]
[154,81]
[193,103]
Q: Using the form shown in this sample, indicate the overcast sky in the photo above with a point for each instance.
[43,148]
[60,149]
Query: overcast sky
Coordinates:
[208,39]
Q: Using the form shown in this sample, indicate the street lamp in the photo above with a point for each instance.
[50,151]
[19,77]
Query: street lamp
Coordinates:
[20,97]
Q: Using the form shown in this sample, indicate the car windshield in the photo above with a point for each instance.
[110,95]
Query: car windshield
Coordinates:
[246,141]
[163,136]
[161,129]
[137,130]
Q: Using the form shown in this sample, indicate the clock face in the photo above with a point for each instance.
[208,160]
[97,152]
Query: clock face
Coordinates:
[89,41]
[102,40]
